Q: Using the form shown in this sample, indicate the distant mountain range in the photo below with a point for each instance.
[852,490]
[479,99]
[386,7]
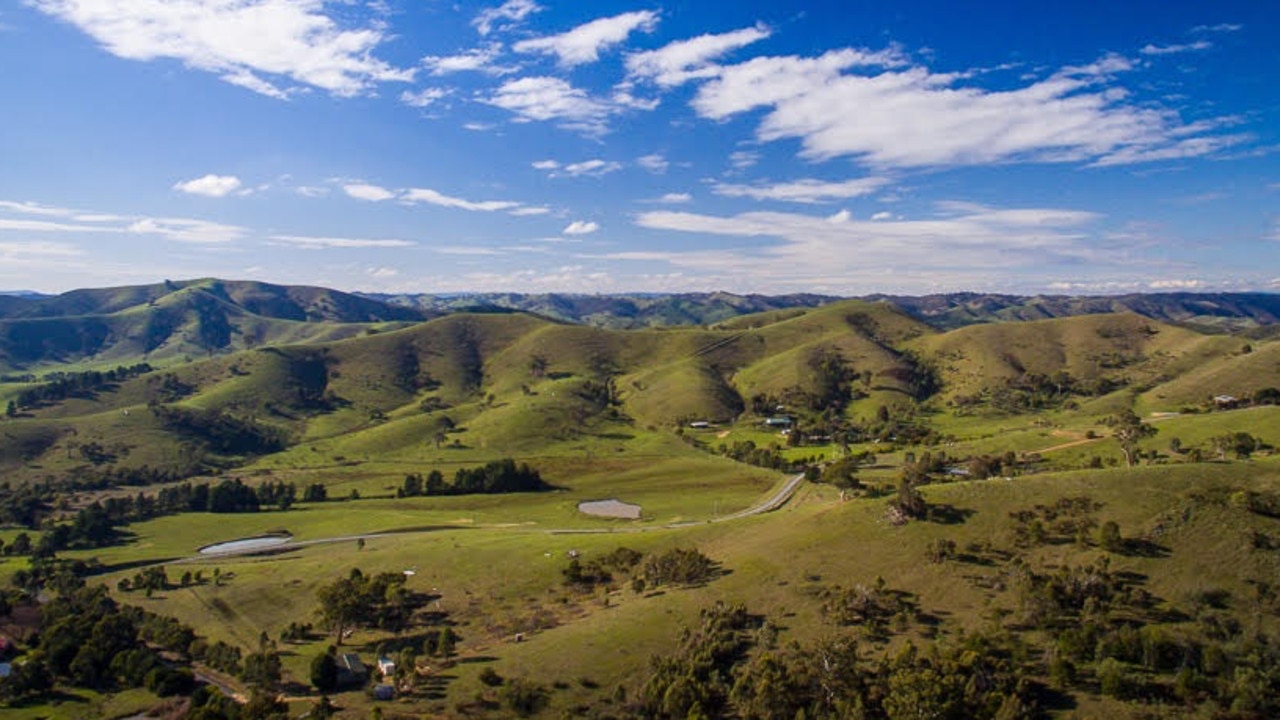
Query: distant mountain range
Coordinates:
[1207,311]
[209,316]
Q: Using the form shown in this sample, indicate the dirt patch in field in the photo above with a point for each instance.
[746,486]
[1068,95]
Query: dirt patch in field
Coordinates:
[613,508]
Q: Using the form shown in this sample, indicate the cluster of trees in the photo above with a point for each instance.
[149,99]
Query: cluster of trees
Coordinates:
[29,504]
[1030,392]
[360,600]
[62,385]
[746,451]
[1068,519]
[678,566]
[221,432]
[88,640]
[729,667]
[600,571]
[497,477]
[695,679]
[872,608]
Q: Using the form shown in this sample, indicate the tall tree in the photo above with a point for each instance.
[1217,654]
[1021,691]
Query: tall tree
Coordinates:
[1129,431]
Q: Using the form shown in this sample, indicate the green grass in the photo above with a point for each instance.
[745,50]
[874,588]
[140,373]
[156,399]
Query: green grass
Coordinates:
[492,579]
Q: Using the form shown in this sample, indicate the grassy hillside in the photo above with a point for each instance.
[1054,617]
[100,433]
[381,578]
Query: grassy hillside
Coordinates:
[179,320]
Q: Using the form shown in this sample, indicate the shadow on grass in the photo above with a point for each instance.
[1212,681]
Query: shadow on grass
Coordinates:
[1144,548]
[121,566]
[1050,699]
[945,514]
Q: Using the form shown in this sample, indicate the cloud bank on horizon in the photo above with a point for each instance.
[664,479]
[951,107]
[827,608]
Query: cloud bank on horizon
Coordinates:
[530,146]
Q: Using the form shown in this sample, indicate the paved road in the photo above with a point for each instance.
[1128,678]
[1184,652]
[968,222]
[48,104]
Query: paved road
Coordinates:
[779,499]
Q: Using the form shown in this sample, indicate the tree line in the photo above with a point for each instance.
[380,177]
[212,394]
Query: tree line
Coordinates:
[496,477]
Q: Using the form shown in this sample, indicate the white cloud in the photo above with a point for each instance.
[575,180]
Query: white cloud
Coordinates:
[882,215]
[1220,27]
[590,168]
[178,229]
[743,159]
[423,97]
[803,191]
[256,44]
[311,191]
[425,195]
[370,193]
[187,230]
[31,208]
[1176,284]
[653,163]
[512,12]
[50,226]
[17,250]
[675,198]
[868,106]
[961,239]
[530,210]
[477,126]
[1174,49]
[684,60]
[474,60]
[466,250]
[548,98]
[324,243]
[210,185]
[581,227]
[382,272]
[584,43]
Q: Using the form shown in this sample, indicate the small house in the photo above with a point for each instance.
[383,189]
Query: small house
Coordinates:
[386,666]
[351,671]
[1226,401]
[700,424]
[778,421]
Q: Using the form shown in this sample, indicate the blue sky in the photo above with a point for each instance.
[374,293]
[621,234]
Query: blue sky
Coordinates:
[834,147]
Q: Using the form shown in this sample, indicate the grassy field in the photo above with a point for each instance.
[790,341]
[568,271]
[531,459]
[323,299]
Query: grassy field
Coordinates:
[495,580]
[596,412]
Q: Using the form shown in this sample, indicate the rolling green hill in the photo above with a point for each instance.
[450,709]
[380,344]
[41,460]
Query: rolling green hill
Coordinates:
[1011,572]
[179,320]
[510,380]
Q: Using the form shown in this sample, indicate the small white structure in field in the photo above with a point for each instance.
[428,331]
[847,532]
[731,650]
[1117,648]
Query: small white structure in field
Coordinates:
[386,666]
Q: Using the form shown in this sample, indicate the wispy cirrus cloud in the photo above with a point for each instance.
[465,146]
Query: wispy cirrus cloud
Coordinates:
[428,196]
[186,230]
[684,60]
[1219,28]
[803,191]
[272,47]
[553,99]
[1151,49]
[432,197]
[308,242]
[594,167]
[584,43]
[424,97]
[475,60]
[655,163]
[959,240]
[505,16]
